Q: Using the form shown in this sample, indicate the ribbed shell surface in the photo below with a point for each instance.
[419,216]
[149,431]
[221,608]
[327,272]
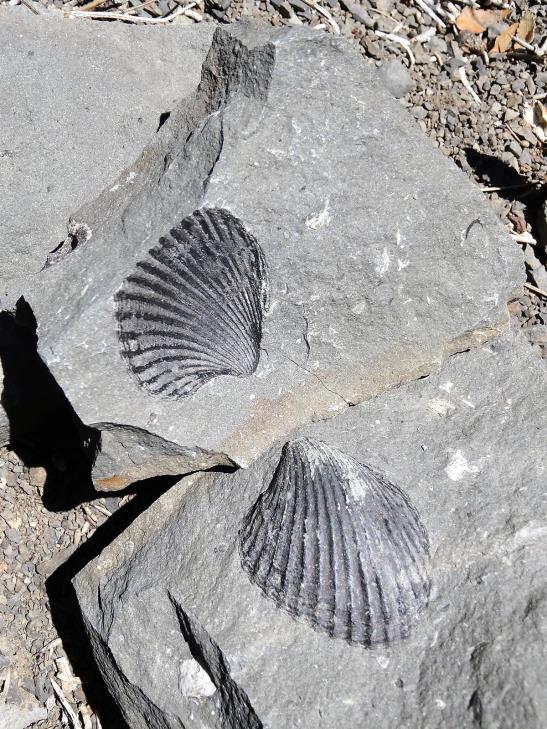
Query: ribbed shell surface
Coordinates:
[333,542]
[193,308]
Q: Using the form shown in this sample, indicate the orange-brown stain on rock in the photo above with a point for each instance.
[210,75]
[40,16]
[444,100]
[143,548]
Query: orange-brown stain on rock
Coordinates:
[113,483]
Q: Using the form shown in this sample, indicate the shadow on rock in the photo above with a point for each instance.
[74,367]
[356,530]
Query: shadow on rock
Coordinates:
[44,428]
[65,609]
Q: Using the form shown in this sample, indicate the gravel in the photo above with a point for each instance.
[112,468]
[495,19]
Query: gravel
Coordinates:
[33,543]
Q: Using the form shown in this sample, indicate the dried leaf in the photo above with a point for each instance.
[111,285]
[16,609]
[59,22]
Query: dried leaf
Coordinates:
[475,21]
[527,25]
[505,39]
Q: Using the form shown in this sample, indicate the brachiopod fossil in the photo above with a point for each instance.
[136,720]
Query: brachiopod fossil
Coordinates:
[332,541]
[192,310]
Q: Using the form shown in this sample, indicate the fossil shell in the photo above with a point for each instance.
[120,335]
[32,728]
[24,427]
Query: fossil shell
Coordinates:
[192,310]
[332,541]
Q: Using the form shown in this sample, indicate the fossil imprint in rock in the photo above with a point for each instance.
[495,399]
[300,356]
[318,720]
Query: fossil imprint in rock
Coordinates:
[192,310]
[333,542]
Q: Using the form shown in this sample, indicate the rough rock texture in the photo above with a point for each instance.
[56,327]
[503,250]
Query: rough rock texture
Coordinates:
[382,258]
[184,638]
[396,78]
[78,101]
[15,717]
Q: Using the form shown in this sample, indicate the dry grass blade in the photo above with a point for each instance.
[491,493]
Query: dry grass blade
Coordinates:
[136,8]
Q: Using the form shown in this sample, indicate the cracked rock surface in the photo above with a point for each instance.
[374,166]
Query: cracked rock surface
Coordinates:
[382,258]
[184,638]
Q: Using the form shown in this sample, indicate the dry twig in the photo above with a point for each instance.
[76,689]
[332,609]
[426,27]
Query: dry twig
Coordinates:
[5,686]
[537,50]
[30,6]
[67,708]
[325,13]
[536,290]
[130,18]
[404,42]
[100,508]
[467,85]
[432,14]
[507,187]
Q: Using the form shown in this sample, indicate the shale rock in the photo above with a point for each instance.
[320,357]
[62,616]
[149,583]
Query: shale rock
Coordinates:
[183,635]
[79,101]
[374,258]
[126,455]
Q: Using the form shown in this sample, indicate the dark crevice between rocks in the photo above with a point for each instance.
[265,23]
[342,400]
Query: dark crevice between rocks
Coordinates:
[46,431]
[44,428]
[65,610]
[235,707]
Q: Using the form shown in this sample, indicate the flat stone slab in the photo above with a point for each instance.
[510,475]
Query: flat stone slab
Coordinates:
[79,101]
[382,259]
[184,637]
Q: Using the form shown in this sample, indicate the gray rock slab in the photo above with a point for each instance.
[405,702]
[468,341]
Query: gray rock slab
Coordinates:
[173,617]
[383,259]
[78,102]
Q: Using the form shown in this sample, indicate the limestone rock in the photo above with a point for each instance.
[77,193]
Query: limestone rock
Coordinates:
[183,636]
[381,258]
